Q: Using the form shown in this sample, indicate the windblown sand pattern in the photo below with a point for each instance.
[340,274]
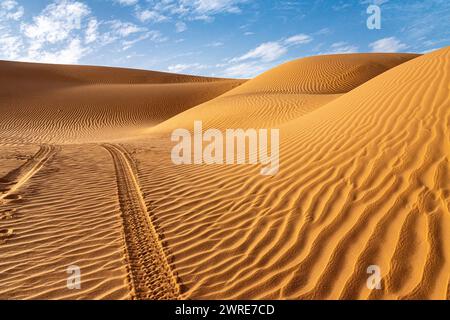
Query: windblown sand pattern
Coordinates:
[65,215]
[73,104]
[363,180]
[86,179]
[13,156]
[286,92]
[18,177]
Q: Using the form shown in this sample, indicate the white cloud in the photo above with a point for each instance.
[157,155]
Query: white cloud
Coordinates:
[54,35]
[323,31]
[180,26]
[71,54]
[243,70]
[91,31]
[124,29]
[65,31]
[16,15]
[259,58]
[214,6]
[215,44]
[8,4]
[127,2]
[108,32]
[375,2]
[202,17]
[195,10]
[429,50]
[298,39]
[154,36]
[150,16]
[10,46]
[56,22]
[390,44]
[341,6]
[266,52]
[341,48]
[271,51]
[177,68]
[10,10]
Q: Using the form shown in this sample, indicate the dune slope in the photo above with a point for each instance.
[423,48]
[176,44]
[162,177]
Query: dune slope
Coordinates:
[67,104]
[363,181]
[287,91]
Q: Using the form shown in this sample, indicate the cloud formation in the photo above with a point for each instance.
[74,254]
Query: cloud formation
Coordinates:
[257,59]
[10,10]
[179,68]
[341,47]
[390,44]
[64,32]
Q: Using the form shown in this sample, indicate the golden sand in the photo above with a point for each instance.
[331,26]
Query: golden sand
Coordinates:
[87,179]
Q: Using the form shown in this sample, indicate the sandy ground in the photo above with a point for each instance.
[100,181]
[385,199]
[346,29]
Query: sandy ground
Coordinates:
[86,179]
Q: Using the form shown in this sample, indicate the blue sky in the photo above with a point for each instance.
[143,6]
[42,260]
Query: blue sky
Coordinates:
[230,38]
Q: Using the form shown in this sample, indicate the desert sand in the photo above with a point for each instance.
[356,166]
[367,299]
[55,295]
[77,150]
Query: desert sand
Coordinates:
[86,179]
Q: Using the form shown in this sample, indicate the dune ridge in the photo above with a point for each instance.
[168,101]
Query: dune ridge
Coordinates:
[32,74]
[286,92]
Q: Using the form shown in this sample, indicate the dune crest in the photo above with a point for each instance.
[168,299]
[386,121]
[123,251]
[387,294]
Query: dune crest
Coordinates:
[287,92]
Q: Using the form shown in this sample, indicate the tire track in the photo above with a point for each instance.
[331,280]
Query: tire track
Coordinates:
[150,274]
[15,179]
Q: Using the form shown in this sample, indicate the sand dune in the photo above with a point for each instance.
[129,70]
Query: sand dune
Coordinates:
[363,181]
[287,91]
[69,104]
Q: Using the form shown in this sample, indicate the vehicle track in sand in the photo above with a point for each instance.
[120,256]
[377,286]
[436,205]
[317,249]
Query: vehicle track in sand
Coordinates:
[150,274]
[16,178]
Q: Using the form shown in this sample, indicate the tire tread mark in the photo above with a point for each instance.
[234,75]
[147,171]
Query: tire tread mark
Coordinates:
[150,273]
[16,178]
